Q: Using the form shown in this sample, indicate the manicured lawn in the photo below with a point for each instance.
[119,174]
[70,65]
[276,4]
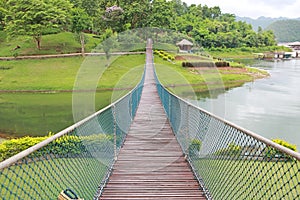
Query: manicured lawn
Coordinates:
[45,179]
[246,179]
[189,81]
[61,73]
[34,113]
[51,44]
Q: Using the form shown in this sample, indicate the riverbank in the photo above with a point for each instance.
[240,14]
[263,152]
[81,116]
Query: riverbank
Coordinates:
[187,81]
[36,97]
[244,52]
[268,107]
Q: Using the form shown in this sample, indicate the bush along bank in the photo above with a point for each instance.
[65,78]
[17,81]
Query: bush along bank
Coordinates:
[206,64]
[64,147]
[164,55]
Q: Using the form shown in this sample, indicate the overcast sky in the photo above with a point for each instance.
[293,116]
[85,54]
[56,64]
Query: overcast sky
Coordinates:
[254,8]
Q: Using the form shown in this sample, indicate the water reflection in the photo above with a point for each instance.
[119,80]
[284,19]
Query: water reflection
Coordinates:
[269,107]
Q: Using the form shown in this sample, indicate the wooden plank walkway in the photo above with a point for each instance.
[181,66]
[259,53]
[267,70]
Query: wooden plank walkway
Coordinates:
[151,164]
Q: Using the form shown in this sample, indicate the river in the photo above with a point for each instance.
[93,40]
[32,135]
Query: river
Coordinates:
[269,107]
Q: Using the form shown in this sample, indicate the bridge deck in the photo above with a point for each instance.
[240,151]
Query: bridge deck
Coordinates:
[151,164]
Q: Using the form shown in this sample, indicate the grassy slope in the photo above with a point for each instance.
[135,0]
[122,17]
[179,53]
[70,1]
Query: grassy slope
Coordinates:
[263,177]
[60,73]
[198,81]
[36,114]
[51,44]
[244,52]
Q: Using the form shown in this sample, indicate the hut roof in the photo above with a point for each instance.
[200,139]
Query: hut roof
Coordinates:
[294,44]
[184,42]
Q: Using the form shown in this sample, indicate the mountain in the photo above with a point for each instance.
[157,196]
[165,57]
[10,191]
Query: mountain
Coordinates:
[286,30]
[263,22]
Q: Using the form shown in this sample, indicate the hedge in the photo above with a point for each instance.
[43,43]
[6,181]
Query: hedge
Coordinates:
[205,64]
[66,146]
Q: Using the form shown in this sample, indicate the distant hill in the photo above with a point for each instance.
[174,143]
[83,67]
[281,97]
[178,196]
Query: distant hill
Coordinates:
[286,30]
[263,22]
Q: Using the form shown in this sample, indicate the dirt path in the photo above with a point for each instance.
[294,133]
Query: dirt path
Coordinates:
[66,55]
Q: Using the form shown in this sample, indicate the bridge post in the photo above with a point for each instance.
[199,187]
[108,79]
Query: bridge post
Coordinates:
[170,110]
[130,106]
[187,132]
[115,131]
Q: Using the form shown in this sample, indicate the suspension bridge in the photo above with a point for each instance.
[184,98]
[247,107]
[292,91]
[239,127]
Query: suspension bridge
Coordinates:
[151,144]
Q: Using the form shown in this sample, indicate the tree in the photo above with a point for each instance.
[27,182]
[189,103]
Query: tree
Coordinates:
[161,14]
[109,42]
[80,22]
[3,10]
[36,17]
[136,13]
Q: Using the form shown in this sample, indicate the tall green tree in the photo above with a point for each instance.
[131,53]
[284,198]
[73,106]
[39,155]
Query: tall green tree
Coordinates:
[35,17]
[162,14]
[81,22]
[137,13]
[109,42]
[3,11]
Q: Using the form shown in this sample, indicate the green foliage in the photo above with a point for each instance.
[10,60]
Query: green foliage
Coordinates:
[285,144]
[33,18]
[61,43]
[274,153]
[65,146]
[194,147]
[204,26]
[232,150]
[198,64]
[11,147]
[109,42]
[164,55]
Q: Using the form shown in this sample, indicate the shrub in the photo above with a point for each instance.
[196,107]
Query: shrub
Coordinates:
[198,64]
[194,147]
[161,55]
[274,153]
[222,64]
[165,58]
[231,150]
[285,144]
[11,147]
[65,146]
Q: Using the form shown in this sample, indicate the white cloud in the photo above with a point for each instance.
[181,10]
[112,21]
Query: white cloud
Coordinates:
[254,8]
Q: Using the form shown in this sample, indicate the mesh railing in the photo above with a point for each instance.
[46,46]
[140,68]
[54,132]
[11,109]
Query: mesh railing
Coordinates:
[79,158]
[230,162]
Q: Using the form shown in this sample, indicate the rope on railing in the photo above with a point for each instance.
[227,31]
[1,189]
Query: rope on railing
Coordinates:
[80,157]
[229,161]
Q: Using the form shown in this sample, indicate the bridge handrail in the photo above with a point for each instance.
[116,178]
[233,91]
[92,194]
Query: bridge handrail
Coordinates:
[269,142]
[109,126]
[222,153]
[19,156]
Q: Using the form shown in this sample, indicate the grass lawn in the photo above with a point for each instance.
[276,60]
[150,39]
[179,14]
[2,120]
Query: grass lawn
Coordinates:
[188,81]
[45,179]
[244,52]
[36,114]
[61,73]
[247,179]
[60,43]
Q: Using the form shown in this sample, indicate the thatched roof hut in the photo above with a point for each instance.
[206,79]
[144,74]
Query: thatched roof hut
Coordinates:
[185,45]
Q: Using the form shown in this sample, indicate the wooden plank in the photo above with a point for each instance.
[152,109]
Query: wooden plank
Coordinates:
[151,164]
